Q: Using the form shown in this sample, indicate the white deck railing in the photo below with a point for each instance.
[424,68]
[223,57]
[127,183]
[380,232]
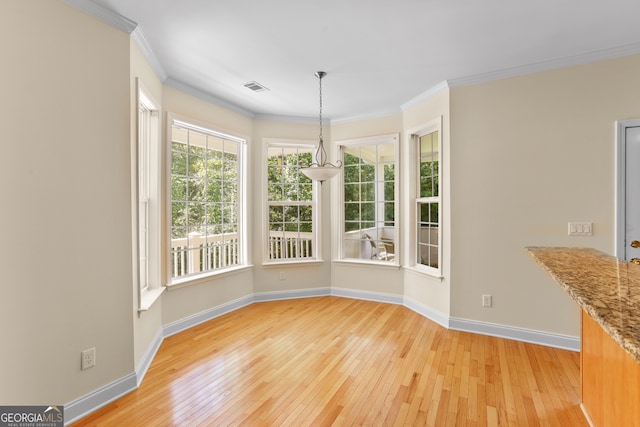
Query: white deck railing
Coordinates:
[290,245]
[199,252]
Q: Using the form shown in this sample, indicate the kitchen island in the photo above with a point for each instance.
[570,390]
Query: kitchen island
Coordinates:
[608,291]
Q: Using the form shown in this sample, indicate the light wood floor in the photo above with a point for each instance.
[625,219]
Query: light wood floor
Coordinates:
[338,361]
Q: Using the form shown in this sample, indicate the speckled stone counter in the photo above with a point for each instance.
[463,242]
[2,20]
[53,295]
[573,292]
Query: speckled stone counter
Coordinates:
[606,288]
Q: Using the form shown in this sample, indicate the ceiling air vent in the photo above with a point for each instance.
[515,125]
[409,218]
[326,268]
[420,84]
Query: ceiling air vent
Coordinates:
[255,86]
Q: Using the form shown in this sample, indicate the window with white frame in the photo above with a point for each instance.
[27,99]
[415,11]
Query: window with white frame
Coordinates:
[206,200]
[148,196]
[428,201]
[291,203]
[369,192]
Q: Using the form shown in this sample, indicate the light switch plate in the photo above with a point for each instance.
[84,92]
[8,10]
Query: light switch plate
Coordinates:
[580,229]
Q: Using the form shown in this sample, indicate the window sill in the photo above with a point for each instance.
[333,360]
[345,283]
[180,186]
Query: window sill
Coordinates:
[292,262]
[367,263]
[436,274]
[200,278]
[148,297]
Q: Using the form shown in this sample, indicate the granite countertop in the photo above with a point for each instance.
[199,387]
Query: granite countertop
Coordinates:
[605,287]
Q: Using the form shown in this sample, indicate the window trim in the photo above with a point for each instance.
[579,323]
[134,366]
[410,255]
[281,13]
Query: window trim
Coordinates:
[339,214]
[243,231]
[149,293]
[412,138]
[315,204]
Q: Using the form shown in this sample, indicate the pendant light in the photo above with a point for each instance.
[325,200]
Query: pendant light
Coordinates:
[320,169]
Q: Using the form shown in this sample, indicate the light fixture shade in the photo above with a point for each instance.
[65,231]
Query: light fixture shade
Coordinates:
[320,173]
[320,169]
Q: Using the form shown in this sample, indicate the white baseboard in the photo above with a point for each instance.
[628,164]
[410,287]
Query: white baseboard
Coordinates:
[440,318]
[565,342]
[110,392]
[191,321]
[88,403]
[295,294]
[149,355]
[367,295]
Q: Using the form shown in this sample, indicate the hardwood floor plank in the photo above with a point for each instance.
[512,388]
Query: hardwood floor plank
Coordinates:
[331,361]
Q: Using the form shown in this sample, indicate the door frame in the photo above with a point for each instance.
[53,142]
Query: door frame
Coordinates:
[621,187]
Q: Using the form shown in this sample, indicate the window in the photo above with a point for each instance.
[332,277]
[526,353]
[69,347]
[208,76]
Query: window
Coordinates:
[148,196]
[428,200]
[206,200]
[369,192]
[291,200]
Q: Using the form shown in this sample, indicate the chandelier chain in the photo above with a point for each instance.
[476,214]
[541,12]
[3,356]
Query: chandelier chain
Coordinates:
[320,78]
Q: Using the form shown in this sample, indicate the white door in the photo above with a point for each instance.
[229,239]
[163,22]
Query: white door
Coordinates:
[628,246]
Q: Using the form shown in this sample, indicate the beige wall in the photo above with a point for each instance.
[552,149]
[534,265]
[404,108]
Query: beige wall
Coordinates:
[528,155]
[65,220]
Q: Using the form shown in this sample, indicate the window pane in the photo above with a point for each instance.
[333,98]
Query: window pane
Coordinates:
[352,192]
[214,189]
[229,192]
[305,159]
[389,214]
[195,190]
[351,156]
[368,191]
[368,212]
[368,173]
[276,192]
[179,214]
[306,213]
[195,165]
[276,214]
[351,211]
[205,194]
[351,174]
[196,214]
[230,171]
[214,168]
[291,214]
[178,188]
[290,226]
[306,192]
[178,162]
[214,213]
[389,191]
[428,226]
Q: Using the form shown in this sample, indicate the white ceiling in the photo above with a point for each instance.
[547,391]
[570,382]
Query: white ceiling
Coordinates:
[378,54]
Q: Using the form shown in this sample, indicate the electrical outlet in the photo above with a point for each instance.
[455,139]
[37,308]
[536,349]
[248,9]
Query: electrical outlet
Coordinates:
[88,358]
[282,275]
[487,301]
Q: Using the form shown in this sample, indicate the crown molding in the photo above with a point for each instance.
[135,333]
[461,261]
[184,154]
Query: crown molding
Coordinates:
[105,15]
[375,115]
[444,85]
[595,56]
[288,119]
[138,36]
[183,87]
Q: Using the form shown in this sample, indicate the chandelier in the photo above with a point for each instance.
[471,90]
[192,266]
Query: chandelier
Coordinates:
[320,169]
